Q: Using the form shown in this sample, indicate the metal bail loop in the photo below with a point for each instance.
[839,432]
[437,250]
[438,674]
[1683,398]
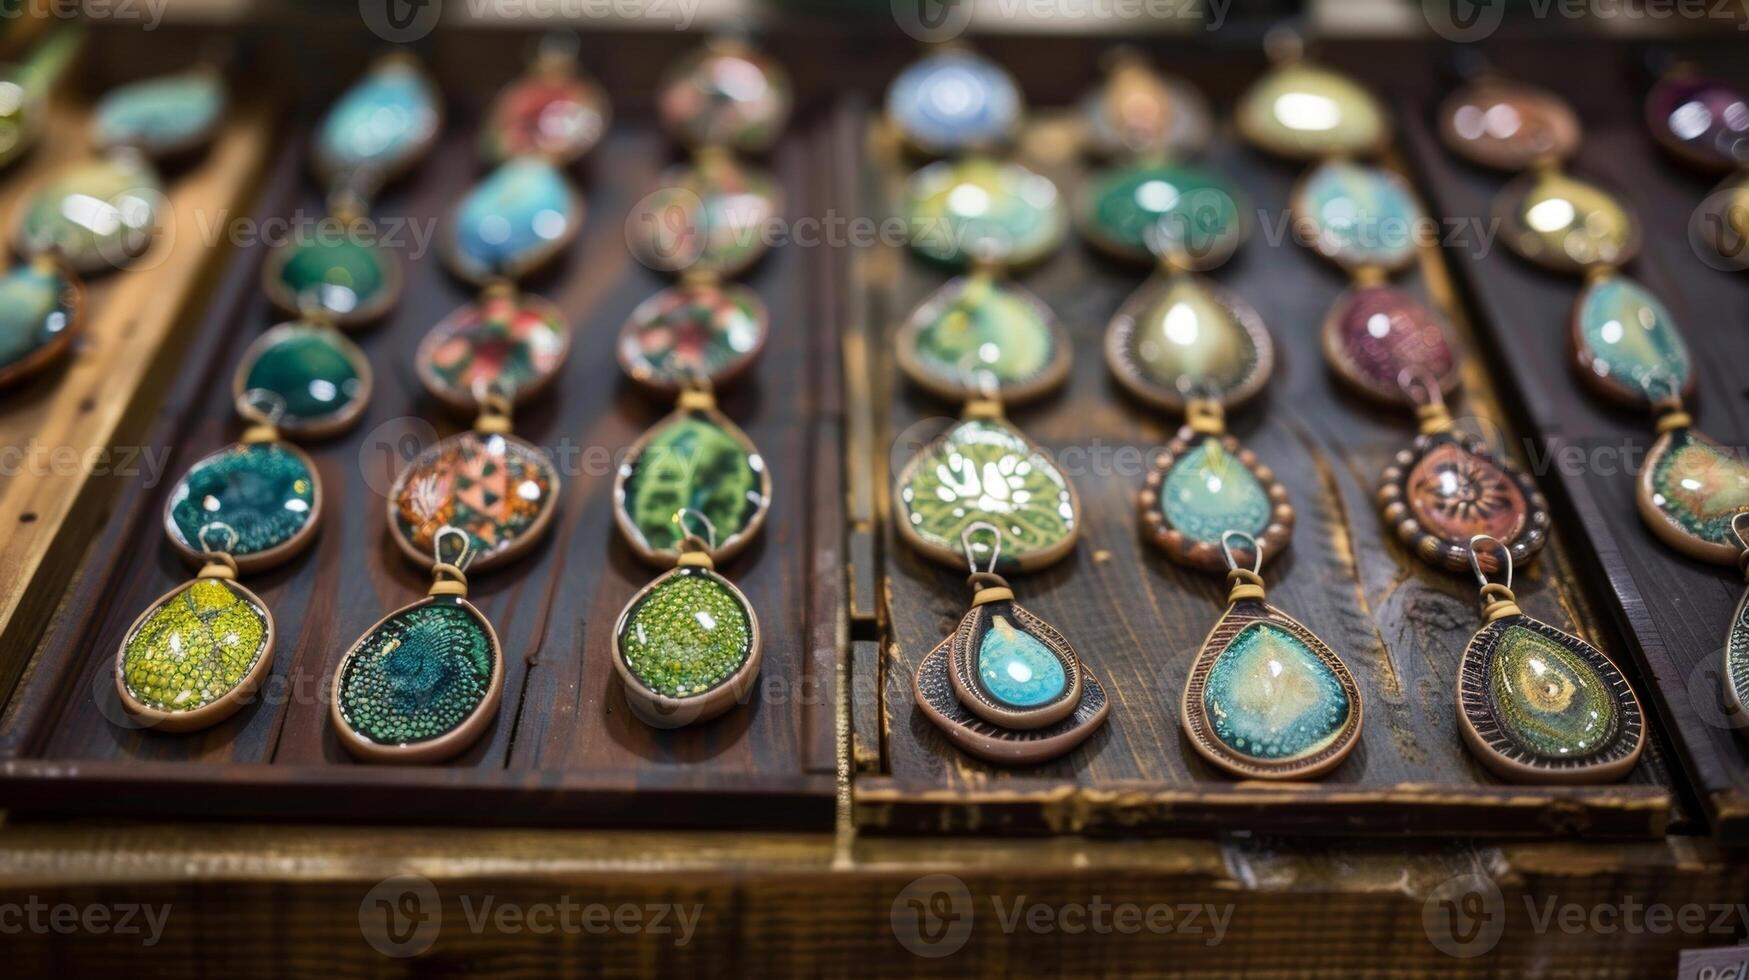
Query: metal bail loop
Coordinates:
[448,576]
[216,558]
[1243,583]
[1498,601]
[987,585]
[695,551]
[1423,391]
[262,409]
[495,401]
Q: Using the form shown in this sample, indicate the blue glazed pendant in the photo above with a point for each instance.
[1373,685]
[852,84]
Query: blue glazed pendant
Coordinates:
[512,222]
[381,125]
[954,101]
[160,116]
[41,311]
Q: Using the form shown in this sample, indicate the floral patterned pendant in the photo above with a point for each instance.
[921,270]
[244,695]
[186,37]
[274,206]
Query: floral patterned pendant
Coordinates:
[699,329]
[506,342]
[725,95]
[553,112]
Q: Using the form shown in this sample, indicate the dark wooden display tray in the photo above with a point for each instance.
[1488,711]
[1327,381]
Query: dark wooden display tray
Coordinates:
[564,748]
[1137,619]
[1673,610]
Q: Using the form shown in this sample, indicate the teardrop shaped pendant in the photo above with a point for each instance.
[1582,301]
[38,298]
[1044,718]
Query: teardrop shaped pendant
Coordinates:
[200,651]
[1181,336]
[424,682]
[1537,705]
[1204,486]
[1006,686]
[42,309]
[1690,489]
[513,222]
[686,648]
[381,126]
[1267,699]
[1625,344]
[980,331]
[1376,335]
[695,460]
[1566,224]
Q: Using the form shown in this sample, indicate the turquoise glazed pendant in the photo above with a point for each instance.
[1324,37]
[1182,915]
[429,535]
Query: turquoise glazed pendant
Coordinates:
[347,281]
[1538,705]
[1626,346]
[42,308]
[381,126]
[320,377]
[1360,216]
[267,491]
[424,683]
[697,461]
[1267,699]
[1691,489]
[954,101]
[98,215]
[514,221]
[160,117]
[1204,484]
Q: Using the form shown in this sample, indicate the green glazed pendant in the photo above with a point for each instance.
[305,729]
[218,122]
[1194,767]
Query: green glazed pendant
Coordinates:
[196,655]
[42,309]
[160,117]
[267,492]
[1690,489]
[695,460]
[350,282]
[1626,346]
[97,215]
[979,331]
[1181,336]
[686,648]
[1146,212]
[713,217]
[1306,112]
[1563,223]
[981,210]
[321,379]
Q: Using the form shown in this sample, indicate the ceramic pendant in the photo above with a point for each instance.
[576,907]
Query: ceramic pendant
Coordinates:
[1147,212]
[1722,220]
[712,218]
[988,211]
[686,648]
[160,117]
[698,330]
[1306,112]
[497,489]
[1373,334]
[1626,345]
[1182,336]
[1267,699]
[1448,487]
[199,652]
[978,333]
[1691,489]
[1702,121]
[506,341]
[424,683]
[351,282]
[42,309]
[725,95]
[983,470]
[696,461]
[954,101]
[380,126]
[97,216]
[553,113]
[265,490]
[320,377]
[1360,216]
[1006,686]
[1203,485]
[516,220]
[1537,705]
[1565,224]
[1507,125]
[1141,114]
[1734,668]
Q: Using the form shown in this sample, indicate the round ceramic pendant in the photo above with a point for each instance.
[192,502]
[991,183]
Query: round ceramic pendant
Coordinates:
[505,342]
[1690,489]
[1139,113]
[725,95]
[97,215]
[1202,486]
[1190,217]
[1626,346]
[696,460]
[380,126]
[513,222]
[267,492]
[1446,488]
[985,470]
[1703,121]
[160,117]
[963,211]
[1508,125]
[556,115]
[195,656]
[686,648]
[42,308]
[954,101]
[338,278]
[421,685]
[320,379]
[1360,216]
[1304,111]
[936,688]
[711,217]
[498,489]
[1374,335]
[1181,337]
[1566,224]
[702,331]
[976,332]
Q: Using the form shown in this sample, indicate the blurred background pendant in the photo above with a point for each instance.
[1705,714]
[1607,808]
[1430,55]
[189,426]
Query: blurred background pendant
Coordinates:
[24,88]
[1703,123]
[953,102]
[42,311]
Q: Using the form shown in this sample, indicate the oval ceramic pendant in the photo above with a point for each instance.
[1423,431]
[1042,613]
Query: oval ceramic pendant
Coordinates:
[160,117]
[936,694]
[1181,337]
[195,656]
[967,210]
[320,380]
[1690,488]
[711,217]
[695,331]
[1013,669]
[1703,121]
[1144,212]
[1267,699]
[1202,486]
[506,342]
[421,685]
[42,308]
[1566,224]
[556,115]
[697,460]
[1305,111]
[1446,488]
[513,222]
[1360,216]
[1541,706]
[1373,334]
[954,101]
[350,282]
[985,470]
[725,95]
[497,489]
[381,125]
[686,648]
[268,492]
[1626,346]
[96,215]
[1508,125]
[977,329]
[1141,113]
